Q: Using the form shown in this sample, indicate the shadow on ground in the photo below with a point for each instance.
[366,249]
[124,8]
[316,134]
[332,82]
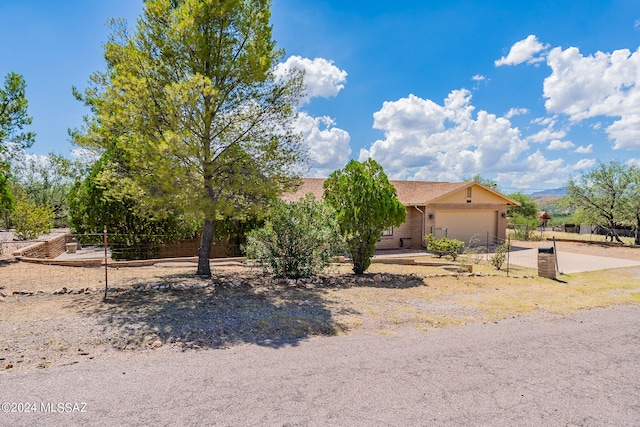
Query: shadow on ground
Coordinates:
[262,313]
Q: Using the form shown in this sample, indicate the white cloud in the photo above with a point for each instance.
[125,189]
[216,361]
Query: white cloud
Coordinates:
[584,164]
[557,144]
[327,145]
[478,78]
[599,85]
[584,150]
[547,134]
[516,112]
[321,78]
[536,171]
[523,51]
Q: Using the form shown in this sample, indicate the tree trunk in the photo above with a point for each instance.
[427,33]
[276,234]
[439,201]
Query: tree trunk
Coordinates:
[204,269]
[637,236]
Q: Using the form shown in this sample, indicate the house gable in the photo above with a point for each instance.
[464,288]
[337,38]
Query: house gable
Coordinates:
[474,194]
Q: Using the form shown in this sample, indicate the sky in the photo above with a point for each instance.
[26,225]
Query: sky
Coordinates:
[528,94]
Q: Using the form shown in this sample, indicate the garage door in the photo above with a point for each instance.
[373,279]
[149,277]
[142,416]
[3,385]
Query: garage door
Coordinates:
[463,225]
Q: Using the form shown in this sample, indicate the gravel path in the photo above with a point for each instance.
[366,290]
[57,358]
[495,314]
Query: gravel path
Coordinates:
[530,371]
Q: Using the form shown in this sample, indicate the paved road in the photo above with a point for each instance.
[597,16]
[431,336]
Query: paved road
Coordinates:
[582,370]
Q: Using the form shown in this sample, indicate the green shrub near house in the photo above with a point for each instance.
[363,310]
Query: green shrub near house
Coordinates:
[444,246]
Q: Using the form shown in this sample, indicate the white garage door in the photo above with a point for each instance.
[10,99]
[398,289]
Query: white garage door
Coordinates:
[463,225]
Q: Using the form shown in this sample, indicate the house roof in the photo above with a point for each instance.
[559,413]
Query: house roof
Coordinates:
[409,193]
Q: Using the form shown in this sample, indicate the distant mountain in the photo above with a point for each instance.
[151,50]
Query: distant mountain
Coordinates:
[554,192]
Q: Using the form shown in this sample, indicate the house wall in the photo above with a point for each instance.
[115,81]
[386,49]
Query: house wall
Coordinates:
[411,231]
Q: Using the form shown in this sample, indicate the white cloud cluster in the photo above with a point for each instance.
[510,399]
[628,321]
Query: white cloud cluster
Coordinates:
[526,50]
[327,145]
[599,85]
[425,140]
[321,77]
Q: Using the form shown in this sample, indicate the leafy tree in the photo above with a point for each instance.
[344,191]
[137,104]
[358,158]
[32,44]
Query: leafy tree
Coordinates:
[129,225]
[6,196]
[192,98]
[632,201]
[298,239]
[528,207]
[484,181]
[47,180]
[13,115]
[601,194]
[366,204]
[31,220]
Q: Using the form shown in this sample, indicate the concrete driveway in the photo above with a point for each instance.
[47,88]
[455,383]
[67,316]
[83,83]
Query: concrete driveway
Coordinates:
[570,262]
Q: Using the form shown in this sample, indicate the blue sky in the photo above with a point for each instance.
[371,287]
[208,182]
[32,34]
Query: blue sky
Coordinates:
[526,93]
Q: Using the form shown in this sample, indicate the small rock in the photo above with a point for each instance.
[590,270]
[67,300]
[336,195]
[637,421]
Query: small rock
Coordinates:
[3,295]
[156,344]
[377,278]
[9,366]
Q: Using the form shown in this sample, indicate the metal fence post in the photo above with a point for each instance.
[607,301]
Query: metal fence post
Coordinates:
[106,271]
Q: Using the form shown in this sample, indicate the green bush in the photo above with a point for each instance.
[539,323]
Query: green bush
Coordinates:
[524,228]
[30,220]
[499,256]
[298,239]
[444,246]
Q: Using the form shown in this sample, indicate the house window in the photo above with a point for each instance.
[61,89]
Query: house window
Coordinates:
[387,232]
[468,194]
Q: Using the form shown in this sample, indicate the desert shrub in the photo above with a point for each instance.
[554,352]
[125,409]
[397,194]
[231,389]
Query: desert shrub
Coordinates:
[499,256]
[475,250]
[524,228]
[444,246]
[298,239]
[31,220]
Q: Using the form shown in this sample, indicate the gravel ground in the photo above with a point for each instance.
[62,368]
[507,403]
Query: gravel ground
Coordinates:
[167,308]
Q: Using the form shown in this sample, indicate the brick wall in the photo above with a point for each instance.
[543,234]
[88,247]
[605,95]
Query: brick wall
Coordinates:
[189,247]
[48,249]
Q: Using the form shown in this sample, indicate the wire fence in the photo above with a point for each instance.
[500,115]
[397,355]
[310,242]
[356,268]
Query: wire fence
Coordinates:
[70,263]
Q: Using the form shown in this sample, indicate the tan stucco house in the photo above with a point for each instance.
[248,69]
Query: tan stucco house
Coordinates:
[461,210]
